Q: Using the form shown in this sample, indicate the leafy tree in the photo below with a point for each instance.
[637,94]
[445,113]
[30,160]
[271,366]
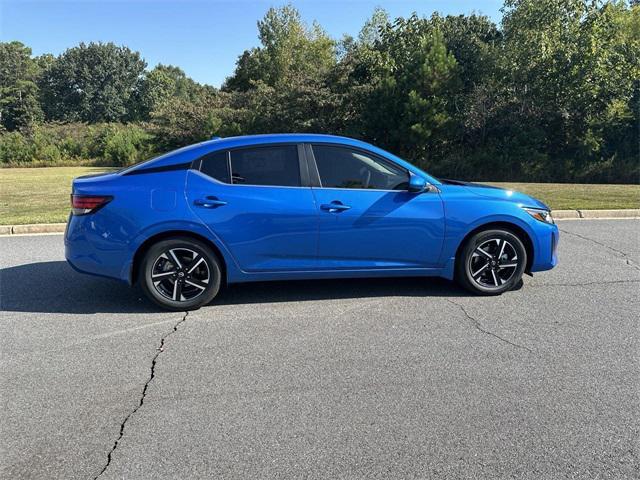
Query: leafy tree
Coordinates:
[371,31]
[353,78]
[91,82]
[157,87]
[289,50]
[19,104]
[472,40]
[248,69]
[407,111]
[180,122]
[569,69]
[285,80]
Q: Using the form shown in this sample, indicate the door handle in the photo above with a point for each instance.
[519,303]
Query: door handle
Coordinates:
[209,202]
[334,207]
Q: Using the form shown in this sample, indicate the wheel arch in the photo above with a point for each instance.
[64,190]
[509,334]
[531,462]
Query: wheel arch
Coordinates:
[153,239]
[518,231]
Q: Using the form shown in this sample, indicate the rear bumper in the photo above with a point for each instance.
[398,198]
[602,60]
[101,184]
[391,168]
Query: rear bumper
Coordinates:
[91,249]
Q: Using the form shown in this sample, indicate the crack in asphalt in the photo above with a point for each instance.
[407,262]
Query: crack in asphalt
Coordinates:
[474,322]
[624,255]
[154,360]
[478,326]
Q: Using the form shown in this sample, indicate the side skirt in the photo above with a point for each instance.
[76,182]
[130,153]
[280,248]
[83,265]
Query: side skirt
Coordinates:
[328,274]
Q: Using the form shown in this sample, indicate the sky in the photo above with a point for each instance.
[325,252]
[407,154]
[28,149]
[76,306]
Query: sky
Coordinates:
[204,38]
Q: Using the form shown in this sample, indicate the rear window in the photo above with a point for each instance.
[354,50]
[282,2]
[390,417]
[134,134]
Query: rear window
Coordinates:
[216,165]
[271,165]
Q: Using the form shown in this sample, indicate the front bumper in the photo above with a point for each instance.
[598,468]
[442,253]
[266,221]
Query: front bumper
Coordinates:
[546,254]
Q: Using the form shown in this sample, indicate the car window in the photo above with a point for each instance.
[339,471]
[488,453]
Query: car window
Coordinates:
[276,165]
[343,167]
[216,165]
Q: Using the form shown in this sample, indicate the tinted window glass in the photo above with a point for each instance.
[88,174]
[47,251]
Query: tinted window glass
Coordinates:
[341,167]
[276,165]
[215,165]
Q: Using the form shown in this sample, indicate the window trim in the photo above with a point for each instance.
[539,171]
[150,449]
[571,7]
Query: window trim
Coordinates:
[375,156]
[302,164]
[197,165]
[312,167]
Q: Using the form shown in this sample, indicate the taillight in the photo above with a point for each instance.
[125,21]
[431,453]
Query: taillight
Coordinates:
[84,204]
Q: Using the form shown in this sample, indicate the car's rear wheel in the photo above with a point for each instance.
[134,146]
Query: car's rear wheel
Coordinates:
[491,262]
[180,274]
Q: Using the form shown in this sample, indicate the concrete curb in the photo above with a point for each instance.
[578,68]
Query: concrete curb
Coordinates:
[628,213]
[565,214]
[31,229]
[557,214]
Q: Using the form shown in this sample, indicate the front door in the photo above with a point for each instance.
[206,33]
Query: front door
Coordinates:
[368,219]
[253,201]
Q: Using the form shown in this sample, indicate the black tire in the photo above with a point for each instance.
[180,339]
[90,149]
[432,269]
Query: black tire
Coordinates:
[180,274]
[479,268]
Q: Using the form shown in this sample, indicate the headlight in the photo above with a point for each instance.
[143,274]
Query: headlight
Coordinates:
[540,214]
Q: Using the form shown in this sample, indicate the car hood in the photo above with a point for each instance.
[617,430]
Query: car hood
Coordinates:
[498,193]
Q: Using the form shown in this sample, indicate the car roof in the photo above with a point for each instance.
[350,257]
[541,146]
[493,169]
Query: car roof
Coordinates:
[191,152]
[283,138]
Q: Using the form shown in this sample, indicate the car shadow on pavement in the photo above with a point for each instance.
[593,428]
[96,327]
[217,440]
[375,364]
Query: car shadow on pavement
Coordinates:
[299,291]
[54,287]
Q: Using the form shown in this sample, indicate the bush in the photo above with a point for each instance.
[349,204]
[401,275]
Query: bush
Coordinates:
[53,144]
[15,149]
[70,139]
[120,145]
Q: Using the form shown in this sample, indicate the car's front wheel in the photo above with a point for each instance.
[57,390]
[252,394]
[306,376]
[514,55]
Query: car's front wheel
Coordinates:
[491,262]
[180,274]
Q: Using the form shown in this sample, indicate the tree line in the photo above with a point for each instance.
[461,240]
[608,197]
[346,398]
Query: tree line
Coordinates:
[550,94]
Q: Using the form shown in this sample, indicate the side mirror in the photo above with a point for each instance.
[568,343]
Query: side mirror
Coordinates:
[417,184]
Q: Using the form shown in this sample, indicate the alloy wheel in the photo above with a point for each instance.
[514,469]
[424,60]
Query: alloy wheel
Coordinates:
[493,263]
[180,274]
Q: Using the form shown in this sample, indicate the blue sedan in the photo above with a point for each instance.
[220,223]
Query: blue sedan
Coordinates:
[290,207]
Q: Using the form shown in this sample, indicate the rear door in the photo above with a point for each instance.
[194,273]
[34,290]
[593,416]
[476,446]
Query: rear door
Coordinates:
[368,219]
[256,201]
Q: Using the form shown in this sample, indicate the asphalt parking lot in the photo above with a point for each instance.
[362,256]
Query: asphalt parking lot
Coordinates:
[332,379]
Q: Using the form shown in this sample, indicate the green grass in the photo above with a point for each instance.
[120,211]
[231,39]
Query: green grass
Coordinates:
[38,195]
[41,195]
[571,196]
